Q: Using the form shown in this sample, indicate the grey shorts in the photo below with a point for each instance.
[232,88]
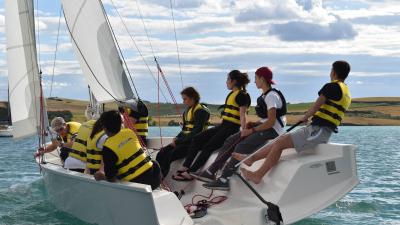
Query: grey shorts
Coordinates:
[310,136]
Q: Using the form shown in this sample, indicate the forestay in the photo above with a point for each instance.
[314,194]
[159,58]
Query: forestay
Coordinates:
[23,72]
[96,50]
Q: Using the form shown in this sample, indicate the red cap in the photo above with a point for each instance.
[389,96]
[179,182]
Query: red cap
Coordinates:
[266,73]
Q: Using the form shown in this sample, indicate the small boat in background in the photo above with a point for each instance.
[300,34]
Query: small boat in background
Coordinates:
[5,131]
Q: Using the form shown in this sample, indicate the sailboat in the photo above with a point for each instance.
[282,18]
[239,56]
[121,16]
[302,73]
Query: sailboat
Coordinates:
[6,128]
[301,185]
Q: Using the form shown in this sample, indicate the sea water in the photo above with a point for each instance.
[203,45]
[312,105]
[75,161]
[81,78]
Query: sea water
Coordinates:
[376,200]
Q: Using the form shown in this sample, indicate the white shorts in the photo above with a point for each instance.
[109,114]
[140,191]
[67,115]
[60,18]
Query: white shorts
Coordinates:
[72,163]
[310,136]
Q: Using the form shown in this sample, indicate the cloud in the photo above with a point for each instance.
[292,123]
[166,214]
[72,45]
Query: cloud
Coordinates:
[182,4]
[280,10]
[305,31]
[386,20]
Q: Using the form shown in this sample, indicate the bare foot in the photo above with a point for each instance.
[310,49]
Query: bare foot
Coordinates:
[251,176]
[240,157]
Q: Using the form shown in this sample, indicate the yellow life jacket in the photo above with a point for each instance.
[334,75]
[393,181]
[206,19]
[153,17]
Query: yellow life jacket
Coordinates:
[142,126]
[93,154]
[78,149]
[333,111]
[188,118]
[132,160]
[73,128]
[231,108]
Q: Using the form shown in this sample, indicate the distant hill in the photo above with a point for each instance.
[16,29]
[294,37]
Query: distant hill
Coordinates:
[363,111]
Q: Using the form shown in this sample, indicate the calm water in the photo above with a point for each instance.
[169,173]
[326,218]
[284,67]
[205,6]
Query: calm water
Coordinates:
[376,200]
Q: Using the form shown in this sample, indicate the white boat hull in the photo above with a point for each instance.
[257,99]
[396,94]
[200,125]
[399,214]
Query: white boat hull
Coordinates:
[6,132]
[301,185]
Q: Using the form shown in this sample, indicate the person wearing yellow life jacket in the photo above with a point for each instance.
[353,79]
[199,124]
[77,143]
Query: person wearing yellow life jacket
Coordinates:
[76,159]
[139,116]
[63,137]
[233,118]
[196,119]
[123,157]
[271,110]
[327,114]
[94,154]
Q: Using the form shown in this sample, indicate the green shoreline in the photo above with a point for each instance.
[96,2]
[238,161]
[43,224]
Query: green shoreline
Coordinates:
[373,111]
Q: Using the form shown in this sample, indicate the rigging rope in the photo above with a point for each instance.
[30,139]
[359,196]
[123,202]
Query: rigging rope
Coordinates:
[137,47]
[119,48]
[128,123]
[38,34]
[55,52]
[176,41]
[160,72]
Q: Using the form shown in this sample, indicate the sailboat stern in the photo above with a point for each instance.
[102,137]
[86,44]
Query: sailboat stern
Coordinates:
[304,184]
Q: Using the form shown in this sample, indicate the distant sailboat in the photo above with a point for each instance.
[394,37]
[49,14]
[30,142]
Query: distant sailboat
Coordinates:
[6,128]
[301,185]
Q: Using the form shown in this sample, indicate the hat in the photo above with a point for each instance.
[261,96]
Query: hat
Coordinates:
[57,123]
[130,105]
[266,73]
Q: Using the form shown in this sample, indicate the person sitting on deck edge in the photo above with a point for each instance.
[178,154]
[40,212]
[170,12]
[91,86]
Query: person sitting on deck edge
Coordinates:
[76,159]
[271,109]
[233,118]
[94,153]
[123,156]
[327,113]
[196,119]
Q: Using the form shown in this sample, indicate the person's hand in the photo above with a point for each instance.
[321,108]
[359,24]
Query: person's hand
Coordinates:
[304,119]
[39,152]
[55,142]
[99,176]
[245,133]
[249,125]
[173,144]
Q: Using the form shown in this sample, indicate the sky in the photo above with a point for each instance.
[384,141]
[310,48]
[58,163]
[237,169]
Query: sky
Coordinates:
[297,39]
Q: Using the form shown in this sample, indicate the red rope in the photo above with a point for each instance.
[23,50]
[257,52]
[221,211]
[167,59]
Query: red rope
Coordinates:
[207,201]
[129,124]
[168,87]
[158,108]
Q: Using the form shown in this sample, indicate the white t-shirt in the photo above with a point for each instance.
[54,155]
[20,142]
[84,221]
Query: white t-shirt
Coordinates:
[101,141]
[273,100]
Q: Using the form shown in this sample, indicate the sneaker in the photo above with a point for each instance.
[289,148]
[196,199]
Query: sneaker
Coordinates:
[217,185]
[203,176]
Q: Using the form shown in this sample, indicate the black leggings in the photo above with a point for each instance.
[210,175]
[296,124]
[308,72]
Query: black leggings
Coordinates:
[168,154]
[151,177]
[206,143]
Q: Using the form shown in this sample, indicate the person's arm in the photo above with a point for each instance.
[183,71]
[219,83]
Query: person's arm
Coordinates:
[263,126]
[318,103]
[201,117]
[269,123]
[68,144]
[243,112]
[110,171]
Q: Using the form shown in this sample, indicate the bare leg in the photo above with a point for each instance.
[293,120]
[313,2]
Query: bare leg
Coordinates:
[261,154]
[273,158]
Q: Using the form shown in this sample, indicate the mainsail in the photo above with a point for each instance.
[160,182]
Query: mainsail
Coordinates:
[23,72]
[95,48]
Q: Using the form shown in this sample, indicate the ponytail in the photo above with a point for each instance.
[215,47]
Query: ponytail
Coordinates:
[242,79]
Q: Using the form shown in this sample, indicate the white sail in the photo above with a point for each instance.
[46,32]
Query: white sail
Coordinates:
[96,50]
[23,72]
